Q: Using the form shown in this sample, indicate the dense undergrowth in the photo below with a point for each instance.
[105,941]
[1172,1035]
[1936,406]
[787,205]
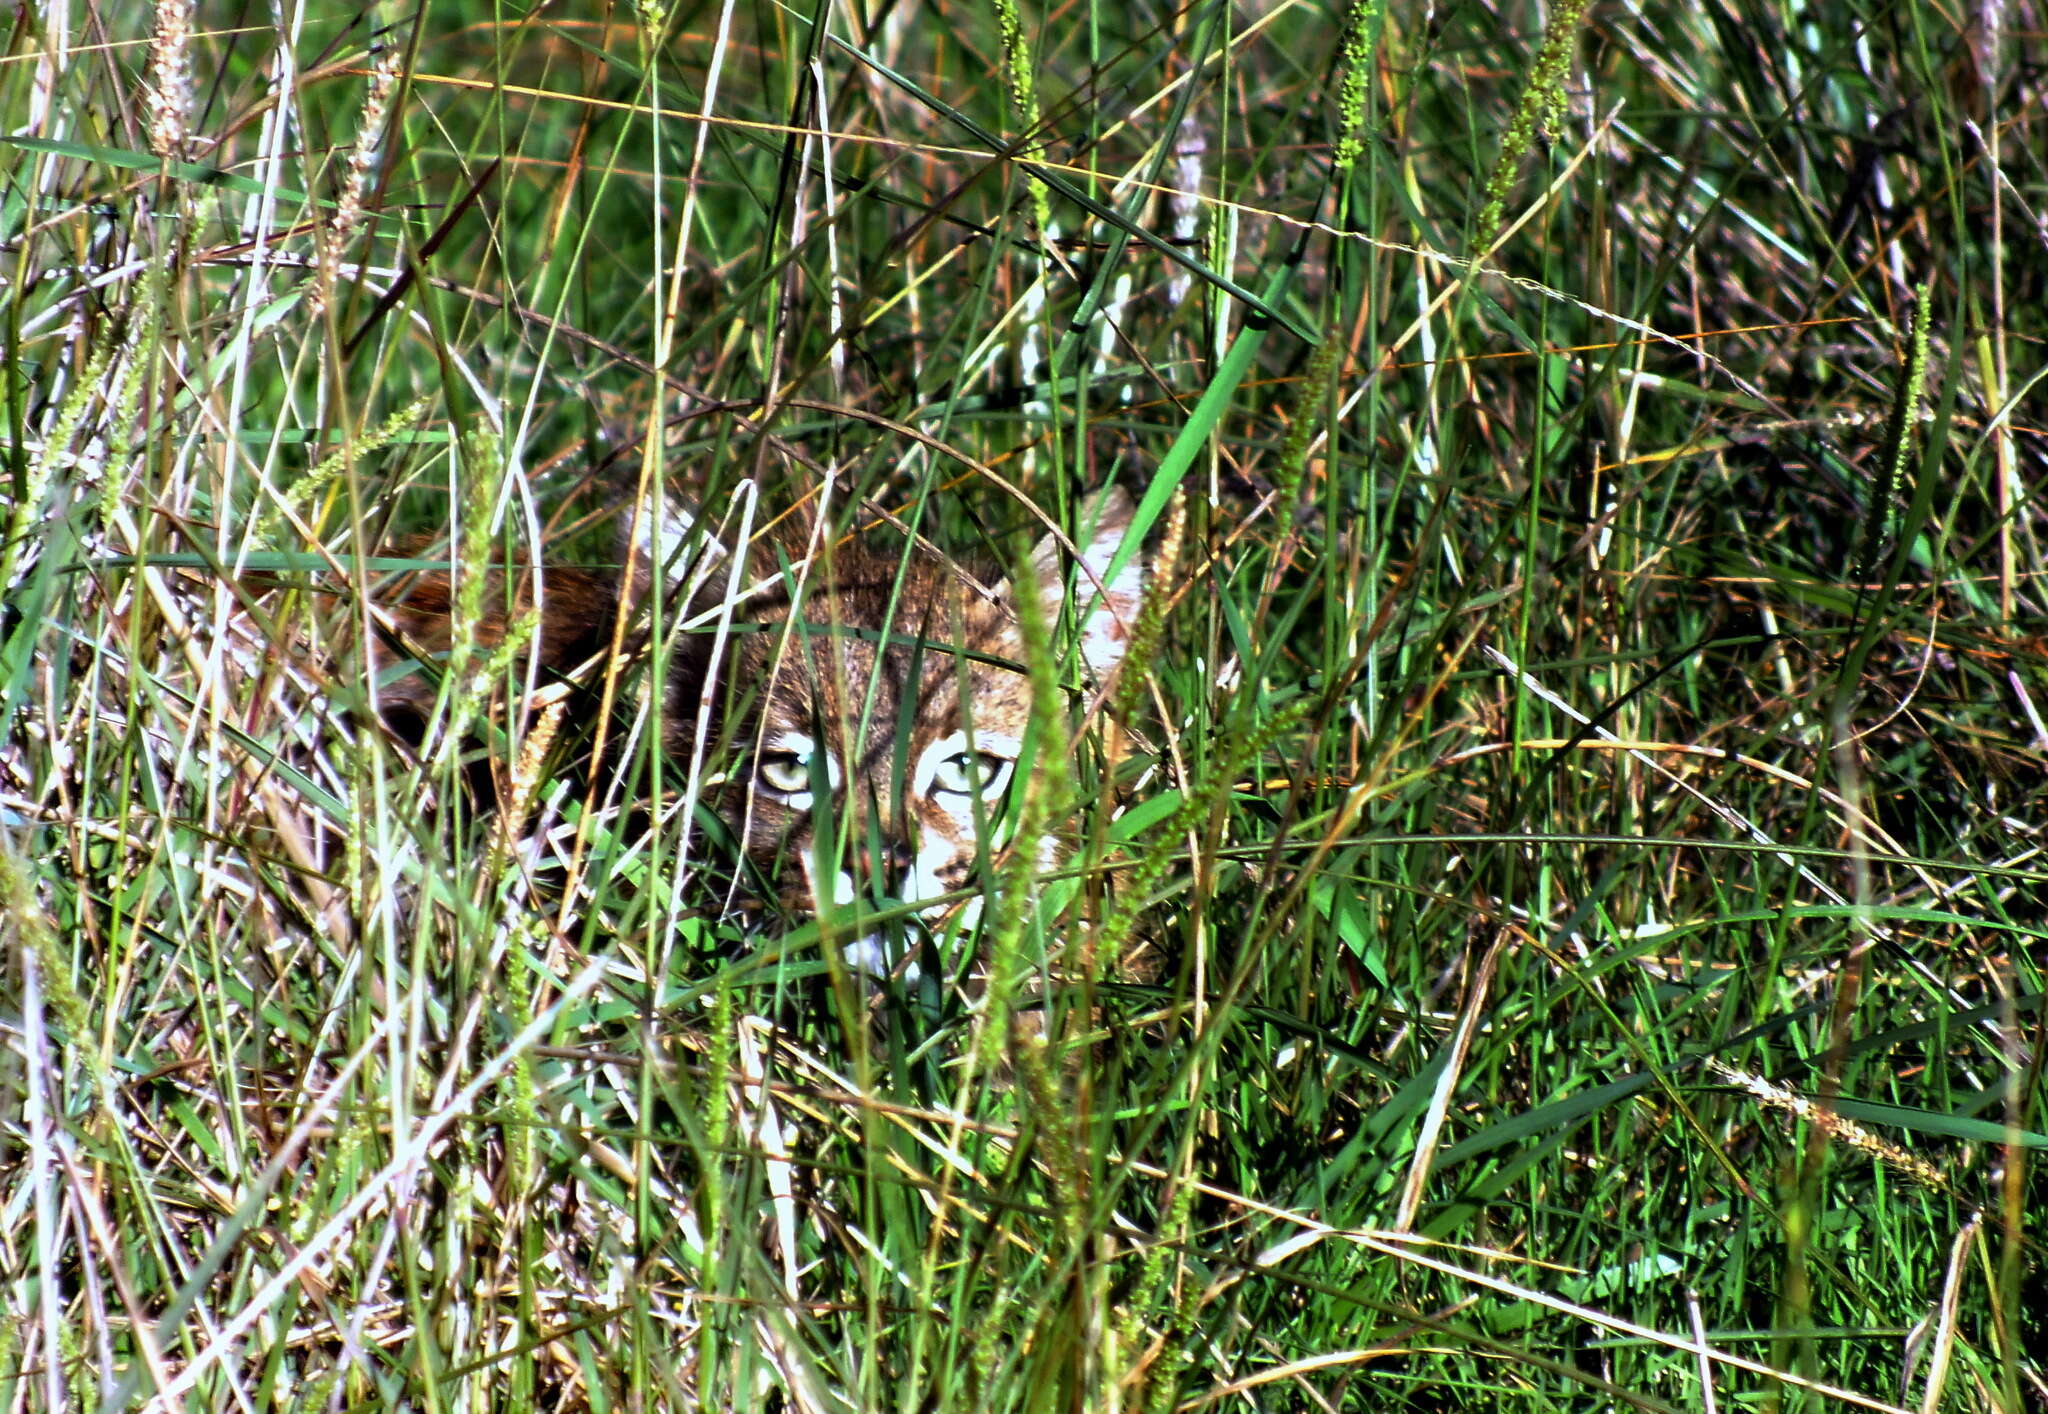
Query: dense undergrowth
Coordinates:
[1587,799]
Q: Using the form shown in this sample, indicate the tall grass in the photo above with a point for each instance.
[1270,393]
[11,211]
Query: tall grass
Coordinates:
[1584,819]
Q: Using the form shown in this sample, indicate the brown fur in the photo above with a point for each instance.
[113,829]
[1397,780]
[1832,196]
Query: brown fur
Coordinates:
[416,622]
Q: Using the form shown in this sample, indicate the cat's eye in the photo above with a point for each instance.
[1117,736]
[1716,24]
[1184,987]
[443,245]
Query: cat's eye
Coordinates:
[784,772]
[981,773]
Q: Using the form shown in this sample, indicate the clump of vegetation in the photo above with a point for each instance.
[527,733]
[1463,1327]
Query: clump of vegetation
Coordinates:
[1585,798]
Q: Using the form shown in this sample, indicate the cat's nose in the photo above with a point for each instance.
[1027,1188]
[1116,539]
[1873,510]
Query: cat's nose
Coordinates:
[886,867]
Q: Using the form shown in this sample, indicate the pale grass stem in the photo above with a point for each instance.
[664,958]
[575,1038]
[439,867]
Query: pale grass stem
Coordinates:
[1184,202]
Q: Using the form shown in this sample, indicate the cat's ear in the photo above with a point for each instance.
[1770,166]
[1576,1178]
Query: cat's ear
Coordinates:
[666,536]
[1108,607]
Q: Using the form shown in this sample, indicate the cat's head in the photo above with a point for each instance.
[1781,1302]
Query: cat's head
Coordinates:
[877,703]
